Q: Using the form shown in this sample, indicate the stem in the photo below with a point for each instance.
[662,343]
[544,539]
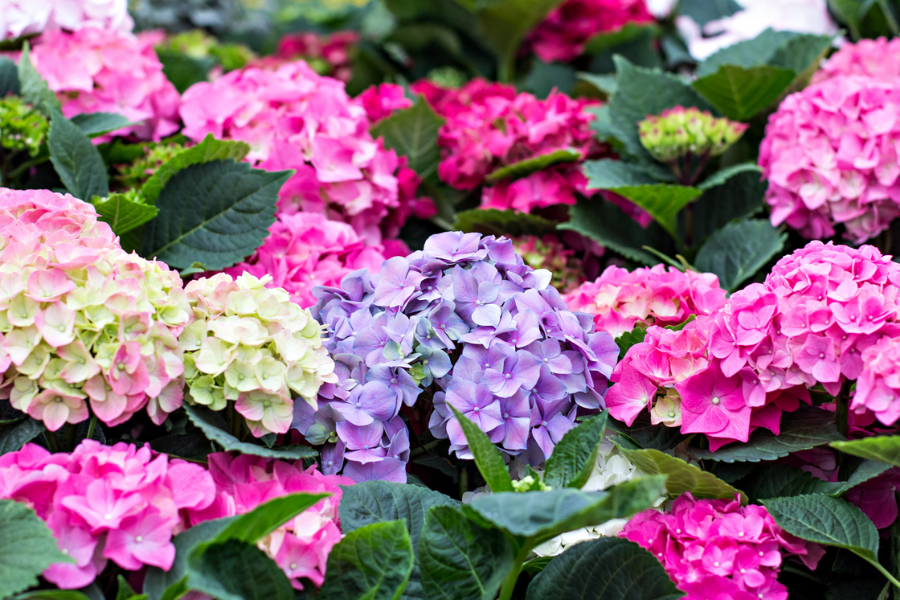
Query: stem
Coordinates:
[69,437]
[800,573]
[688,225]
[509,583]
[506,68]
[50,436]
[425,448]
[91,426]
[884,572]
[885,245]
[842,409]
[889,17]
[463,481]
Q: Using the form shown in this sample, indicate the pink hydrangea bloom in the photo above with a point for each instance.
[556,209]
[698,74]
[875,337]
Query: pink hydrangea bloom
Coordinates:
[29,17]
[383,99]
[621,300]
[564,32]
[300,546]
[293,118]
[829,157]
[119,503]
[327,54]
[88,324]
[879,59]
[94,70]
[719,549]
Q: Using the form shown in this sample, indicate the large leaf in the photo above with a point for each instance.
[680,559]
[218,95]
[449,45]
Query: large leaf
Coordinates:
[704,11]
[236,570]
[33,88]
[780,481]
[488,458]
[738,250]
[610,39]
[802,53]
[380,501]
[491,221]
[604,222]
[215,214]
[526,167]
[750,53]
[459,559]
[9,77]
[738,198]
[192,445]
[27,547]
[885,448]
[573,458]
[722,176]
[413,133]
[741,92]
[214,428]
[123,213]
[371,563]
[266,518]
[13,437]
[158,582]
[76,160]
[183,70]
[647,435]
[100,123]
[629,338]
[540,516]
[682,476]
[604,569]
[801,430]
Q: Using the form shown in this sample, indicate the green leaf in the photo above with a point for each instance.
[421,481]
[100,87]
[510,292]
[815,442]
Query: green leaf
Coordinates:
[645,434]
[33,88]
[9,77]
[738,250]
[682,476]
[604,222]
[266,518]
[126,592]
[207,151]
[214,213]
[750,53]
[604,569]
[182,70]
[76,160]
[14,437]
[53,595]
[371,563]
[214,428]
[488,458]
[739,92]
[738,198]
[884,448]
[602,123]
[236,570]
[526,167]
[610,39]
[491,221]
[461,560]
[826,520]
[800,430]
[779,481]
[605,83]
[413,133]
[722,176]
[124,214]
[193,446]
[573,458]
[704,11]
[629,339]
[859,470]
[100,123]
[540,516]
[802,52]
[27,547]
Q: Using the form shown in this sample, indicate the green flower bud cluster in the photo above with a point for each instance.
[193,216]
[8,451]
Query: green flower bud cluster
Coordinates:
[680,132]
[550,253]
[198,44]
[21,126]
[136,173]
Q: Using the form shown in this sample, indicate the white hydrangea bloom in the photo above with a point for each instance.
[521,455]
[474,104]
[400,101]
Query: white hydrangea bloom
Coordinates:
[30,17]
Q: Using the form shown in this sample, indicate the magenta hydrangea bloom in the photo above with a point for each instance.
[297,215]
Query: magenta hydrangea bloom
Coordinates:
[879,59]
[463,323]
[327,54]
[829,157]
[620,299]
[120,503]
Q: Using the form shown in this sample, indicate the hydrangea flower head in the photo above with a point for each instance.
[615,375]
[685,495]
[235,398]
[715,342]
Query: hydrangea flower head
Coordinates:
[829,158]
[549,253]
[25,17]
[463,322]
[327,54]
[251,345]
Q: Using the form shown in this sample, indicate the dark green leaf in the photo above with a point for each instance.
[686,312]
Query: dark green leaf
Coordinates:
[182,70]
[183,445]
[488,458]
[76,160]
[739,198]
[126,592]
[605,83]
[802,52]
[543,78]
[14,437]
[53,595]
[604,569]
[884,448]
[526,167]
[214,428]
[27,547]
[751,53]
[33,88]
[738,250]
[722,176]
[629,339]
[739,92]
[214,213]
[99,123]
[647,435]
[236,570]
[731,472]
[536,564]
[491,221]
[704,11]
[610,39]
[371,563]
[266,518]
[602,123]
[9,77]
[574,456]
[544,515]
[778,481]
[859,470]
[801,430]
[124,214]
[682,476]
[413,133]
[461,560]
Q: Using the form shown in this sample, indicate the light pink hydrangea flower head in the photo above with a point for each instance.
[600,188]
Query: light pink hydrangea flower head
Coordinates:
[29,17]
[879,59]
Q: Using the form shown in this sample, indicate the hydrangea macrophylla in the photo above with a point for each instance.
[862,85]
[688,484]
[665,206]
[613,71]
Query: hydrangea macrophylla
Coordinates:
[94,70]
[327,54]
[879,59]
[621,300]
[548,252]
[522,367]
[251,345]
[562,35]
[120,503]
[300,546]
[294,118]
[383,99]
[29,17]
[84,323]
[829,158]
[719,549]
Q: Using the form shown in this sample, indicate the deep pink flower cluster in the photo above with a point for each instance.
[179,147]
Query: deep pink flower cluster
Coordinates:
[119,503]
[94,70]
[830,157]
[879,59]
[621,300]
[383,99]
[300,546]
[719,550]
[328,54]
[489,126]
[565,31]
[294,118]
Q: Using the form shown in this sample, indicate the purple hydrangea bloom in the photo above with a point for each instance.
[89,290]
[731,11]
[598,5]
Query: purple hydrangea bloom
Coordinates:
[462,323]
